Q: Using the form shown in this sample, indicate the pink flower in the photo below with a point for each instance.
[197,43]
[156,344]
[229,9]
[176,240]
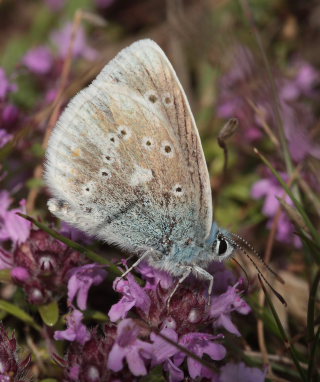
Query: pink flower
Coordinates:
[222,306]
[81,280]
[76,330]
[38,60]
[12,226]
[62,38]
[269,189]
[10,365]
[240,372]
[128,346]
[199,344]
[133,295]
[5,86]
[4,137]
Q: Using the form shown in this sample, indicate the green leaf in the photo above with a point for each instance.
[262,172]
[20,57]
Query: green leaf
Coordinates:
[96,315]
[19,313]
[49,380]
[155,375]
[49,313]
[35,183]
[38,150]
[5,275]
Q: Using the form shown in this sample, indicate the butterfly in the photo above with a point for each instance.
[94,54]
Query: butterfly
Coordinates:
[125,164]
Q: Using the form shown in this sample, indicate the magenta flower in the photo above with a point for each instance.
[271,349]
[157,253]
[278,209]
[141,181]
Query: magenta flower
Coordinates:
[133,295]
[128,346]
[240,372]
[41,266]
[162,349]
[245,96]
[76,330]
[9,116]
[20,274]
[270,190]
[12,226]
[155,277]
[222,306]
[38,60]
[5,86]
[4,137]
[87,362]
[81,280]
[62,38]
[199,344]
[11,368]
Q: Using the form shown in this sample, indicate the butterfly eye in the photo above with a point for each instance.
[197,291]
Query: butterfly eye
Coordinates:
[223,246]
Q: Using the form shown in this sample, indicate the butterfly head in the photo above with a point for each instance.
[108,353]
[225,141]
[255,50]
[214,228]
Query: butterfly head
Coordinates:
[221,243]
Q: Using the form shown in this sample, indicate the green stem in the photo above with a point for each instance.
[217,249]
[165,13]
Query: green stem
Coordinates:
[285,338]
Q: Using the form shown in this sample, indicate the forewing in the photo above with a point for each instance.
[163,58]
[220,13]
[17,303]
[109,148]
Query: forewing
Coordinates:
[125,160]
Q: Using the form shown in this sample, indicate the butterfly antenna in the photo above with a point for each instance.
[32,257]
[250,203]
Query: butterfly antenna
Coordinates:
[257,254]
[277,294]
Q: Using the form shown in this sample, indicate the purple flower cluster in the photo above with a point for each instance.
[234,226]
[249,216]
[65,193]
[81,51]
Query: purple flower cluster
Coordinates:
[139,344]
[246,94]
[12,226]
[8,111]
[270,189]
[12,369]
[41,265]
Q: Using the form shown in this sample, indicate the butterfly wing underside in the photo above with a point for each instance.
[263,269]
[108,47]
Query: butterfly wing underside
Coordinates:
[125,161]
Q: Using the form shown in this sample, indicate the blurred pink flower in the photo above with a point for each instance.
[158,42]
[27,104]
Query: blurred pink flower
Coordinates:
[240,372]
[76,330]
[269,189]
[244,90]
[4,137]
[55,5]
[5,86]
[38,60]
[62,38]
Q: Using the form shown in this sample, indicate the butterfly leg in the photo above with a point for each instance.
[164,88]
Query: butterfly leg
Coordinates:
[188,270]
[134,265]
[205,275]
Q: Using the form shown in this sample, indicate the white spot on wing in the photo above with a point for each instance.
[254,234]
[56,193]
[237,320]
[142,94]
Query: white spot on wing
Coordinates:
[140,175]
